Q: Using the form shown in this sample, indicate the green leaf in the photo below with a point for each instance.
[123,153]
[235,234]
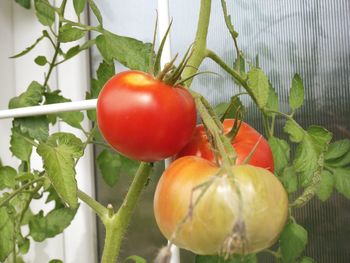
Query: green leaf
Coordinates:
[293,241]
[28,214]
[53,196]
[55,261]
[45,12]
[259,86]
[24,3]
[58,155]
[7,177]
[339,162]
[28,49]
[136,259]
[229,109]
[31,97]
[296,133]
[42,227]
[19,259]
[130,52]
[235,259]
[72,118]
[20,148]
[112,165]
[337,149]
[23,246]
[73,51]
[6,234]
[289,180]
[96,11]
[36,127]
[342,181]
[69,33]
[40,60]
[307,260]
[326,186]
[272,101]
[79,6]
[296,97]
[104,72]
[314,143]
[239,65]
[281,153]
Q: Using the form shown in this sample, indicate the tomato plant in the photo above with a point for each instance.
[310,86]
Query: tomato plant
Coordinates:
[200,205]
[244,143]
[212,219]
[144,118]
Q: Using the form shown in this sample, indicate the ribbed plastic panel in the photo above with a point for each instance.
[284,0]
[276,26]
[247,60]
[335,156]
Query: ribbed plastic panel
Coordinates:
[311,38]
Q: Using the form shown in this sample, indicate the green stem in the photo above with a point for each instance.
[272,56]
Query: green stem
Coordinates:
[230,27]
[83,26]
[30,141]
[58,45]
[234,73]
[199,47]
[266,125]
[19,190]
[117,224]
[100,210]
[31,194]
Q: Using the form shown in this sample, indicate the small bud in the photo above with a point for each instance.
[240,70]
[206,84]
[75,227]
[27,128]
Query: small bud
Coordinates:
[110,210]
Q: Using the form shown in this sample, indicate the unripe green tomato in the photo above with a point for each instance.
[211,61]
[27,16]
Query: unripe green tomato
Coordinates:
[264,203]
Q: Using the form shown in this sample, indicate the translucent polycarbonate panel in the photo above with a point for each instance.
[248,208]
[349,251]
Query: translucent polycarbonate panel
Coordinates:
[311,38]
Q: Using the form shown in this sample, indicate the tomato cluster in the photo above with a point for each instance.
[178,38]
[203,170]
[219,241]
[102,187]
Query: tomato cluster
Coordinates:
[246,141]
[197,207]
[195,204]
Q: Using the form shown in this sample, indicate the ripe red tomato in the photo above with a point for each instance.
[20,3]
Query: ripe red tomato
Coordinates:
[265,206]
[243,143]
[144,118]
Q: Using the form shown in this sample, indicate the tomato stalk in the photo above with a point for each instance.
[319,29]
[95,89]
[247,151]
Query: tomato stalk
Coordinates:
[199,46]
[117,223]
[211,121]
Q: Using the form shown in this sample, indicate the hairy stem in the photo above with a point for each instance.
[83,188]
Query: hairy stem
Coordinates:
[234,73]
[100,210]
[57,46]
[199,46]
[117,224]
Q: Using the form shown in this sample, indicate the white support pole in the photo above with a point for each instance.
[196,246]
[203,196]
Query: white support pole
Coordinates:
[48,109]
[163,24]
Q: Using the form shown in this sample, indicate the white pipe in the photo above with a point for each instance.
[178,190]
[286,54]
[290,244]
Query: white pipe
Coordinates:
[50,108]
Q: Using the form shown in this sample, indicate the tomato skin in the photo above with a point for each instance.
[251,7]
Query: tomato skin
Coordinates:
[265,206]
[243,143]
[144,118]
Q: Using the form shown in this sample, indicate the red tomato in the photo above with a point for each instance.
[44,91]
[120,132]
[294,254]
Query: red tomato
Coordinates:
[243,143]
[144,118]
[264,200]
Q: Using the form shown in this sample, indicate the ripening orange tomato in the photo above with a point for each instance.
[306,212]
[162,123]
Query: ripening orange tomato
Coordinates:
[264,200]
